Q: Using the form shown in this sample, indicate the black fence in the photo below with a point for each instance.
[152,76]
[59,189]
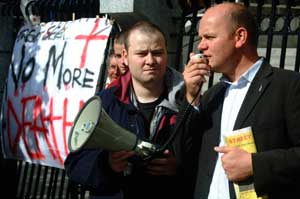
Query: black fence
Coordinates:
[278,26]
[279,41]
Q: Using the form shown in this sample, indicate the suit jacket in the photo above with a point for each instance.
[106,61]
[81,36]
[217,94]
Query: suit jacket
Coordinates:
[272,108]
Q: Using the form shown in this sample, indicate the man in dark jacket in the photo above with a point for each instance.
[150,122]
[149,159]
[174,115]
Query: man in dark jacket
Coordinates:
[251,94]
[143,101]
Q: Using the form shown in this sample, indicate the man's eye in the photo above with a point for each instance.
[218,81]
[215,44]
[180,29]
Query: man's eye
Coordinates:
[209,37]
[142,54]
[157,53]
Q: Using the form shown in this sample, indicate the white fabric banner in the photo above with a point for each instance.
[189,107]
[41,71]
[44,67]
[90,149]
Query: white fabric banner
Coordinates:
[54,69]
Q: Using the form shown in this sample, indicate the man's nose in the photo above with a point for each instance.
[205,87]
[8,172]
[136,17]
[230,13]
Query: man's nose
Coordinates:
[202,45]
[149,58]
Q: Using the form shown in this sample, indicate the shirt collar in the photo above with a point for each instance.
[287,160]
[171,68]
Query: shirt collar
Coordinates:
[247,76]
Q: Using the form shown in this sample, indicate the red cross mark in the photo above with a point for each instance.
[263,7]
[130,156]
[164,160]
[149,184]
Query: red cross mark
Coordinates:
[88,38]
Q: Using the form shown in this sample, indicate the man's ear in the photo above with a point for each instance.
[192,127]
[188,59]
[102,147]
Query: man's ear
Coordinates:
[241,37]
[125,56]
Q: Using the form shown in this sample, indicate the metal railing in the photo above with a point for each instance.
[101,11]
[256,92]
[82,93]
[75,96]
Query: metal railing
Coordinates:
[279,29]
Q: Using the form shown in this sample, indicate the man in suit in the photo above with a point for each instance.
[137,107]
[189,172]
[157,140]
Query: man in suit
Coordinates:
[251,93]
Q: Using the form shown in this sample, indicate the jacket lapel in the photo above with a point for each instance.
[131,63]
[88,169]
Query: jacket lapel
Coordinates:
[217,115]
[257,88]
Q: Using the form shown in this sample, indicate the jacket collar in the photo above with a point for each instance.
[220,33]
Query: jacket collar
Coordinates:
[173,82]
[257,88]
[122,84]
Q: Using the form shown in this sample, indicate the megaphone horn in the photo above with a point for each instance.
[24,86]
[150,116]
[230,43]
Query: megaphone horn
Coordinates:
[93,128]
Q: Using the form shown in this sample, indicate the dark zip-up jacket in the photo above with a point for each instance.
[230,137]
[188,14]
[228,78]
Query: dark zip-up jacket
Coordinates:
[90,168]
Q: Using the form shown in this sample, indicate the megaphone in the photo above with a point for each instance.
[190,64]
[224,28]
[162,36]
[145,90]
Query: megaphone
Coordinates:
[93,128]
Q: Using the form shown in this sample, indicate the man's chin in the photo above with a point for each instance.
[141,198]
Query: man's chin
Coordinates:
[123,69]
[151,78]
[151,75]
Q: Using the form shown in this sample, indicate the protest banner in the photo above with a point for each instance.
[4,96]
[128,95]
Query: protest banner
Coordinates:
[54,69]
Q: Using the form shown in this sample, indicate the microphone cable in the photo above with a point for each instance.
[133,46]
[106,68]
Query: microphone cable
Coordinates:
[186,111]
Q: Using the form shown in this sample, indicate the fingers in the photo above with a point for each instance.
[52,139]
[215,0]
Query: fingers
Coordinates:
[223,149]
[121,155]
[197,64]
[195,74]
[236,162]
[119,160]
[162,167]
[165,165]
[156,170]
[163,159]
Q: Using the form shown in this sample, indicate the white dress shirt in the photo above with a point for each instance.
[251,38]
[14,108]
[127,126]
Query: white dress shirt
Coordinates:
[234,97]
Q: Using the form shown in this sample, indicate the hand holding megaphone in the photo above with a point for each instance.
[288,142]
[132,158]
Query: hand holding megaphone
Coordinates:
[118,161]
[165,164]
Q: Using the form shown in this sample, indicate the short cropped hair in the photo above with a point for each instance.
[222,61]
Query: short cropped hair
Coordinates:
[143,26]
[242,17]
[111,54]
[120,38]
